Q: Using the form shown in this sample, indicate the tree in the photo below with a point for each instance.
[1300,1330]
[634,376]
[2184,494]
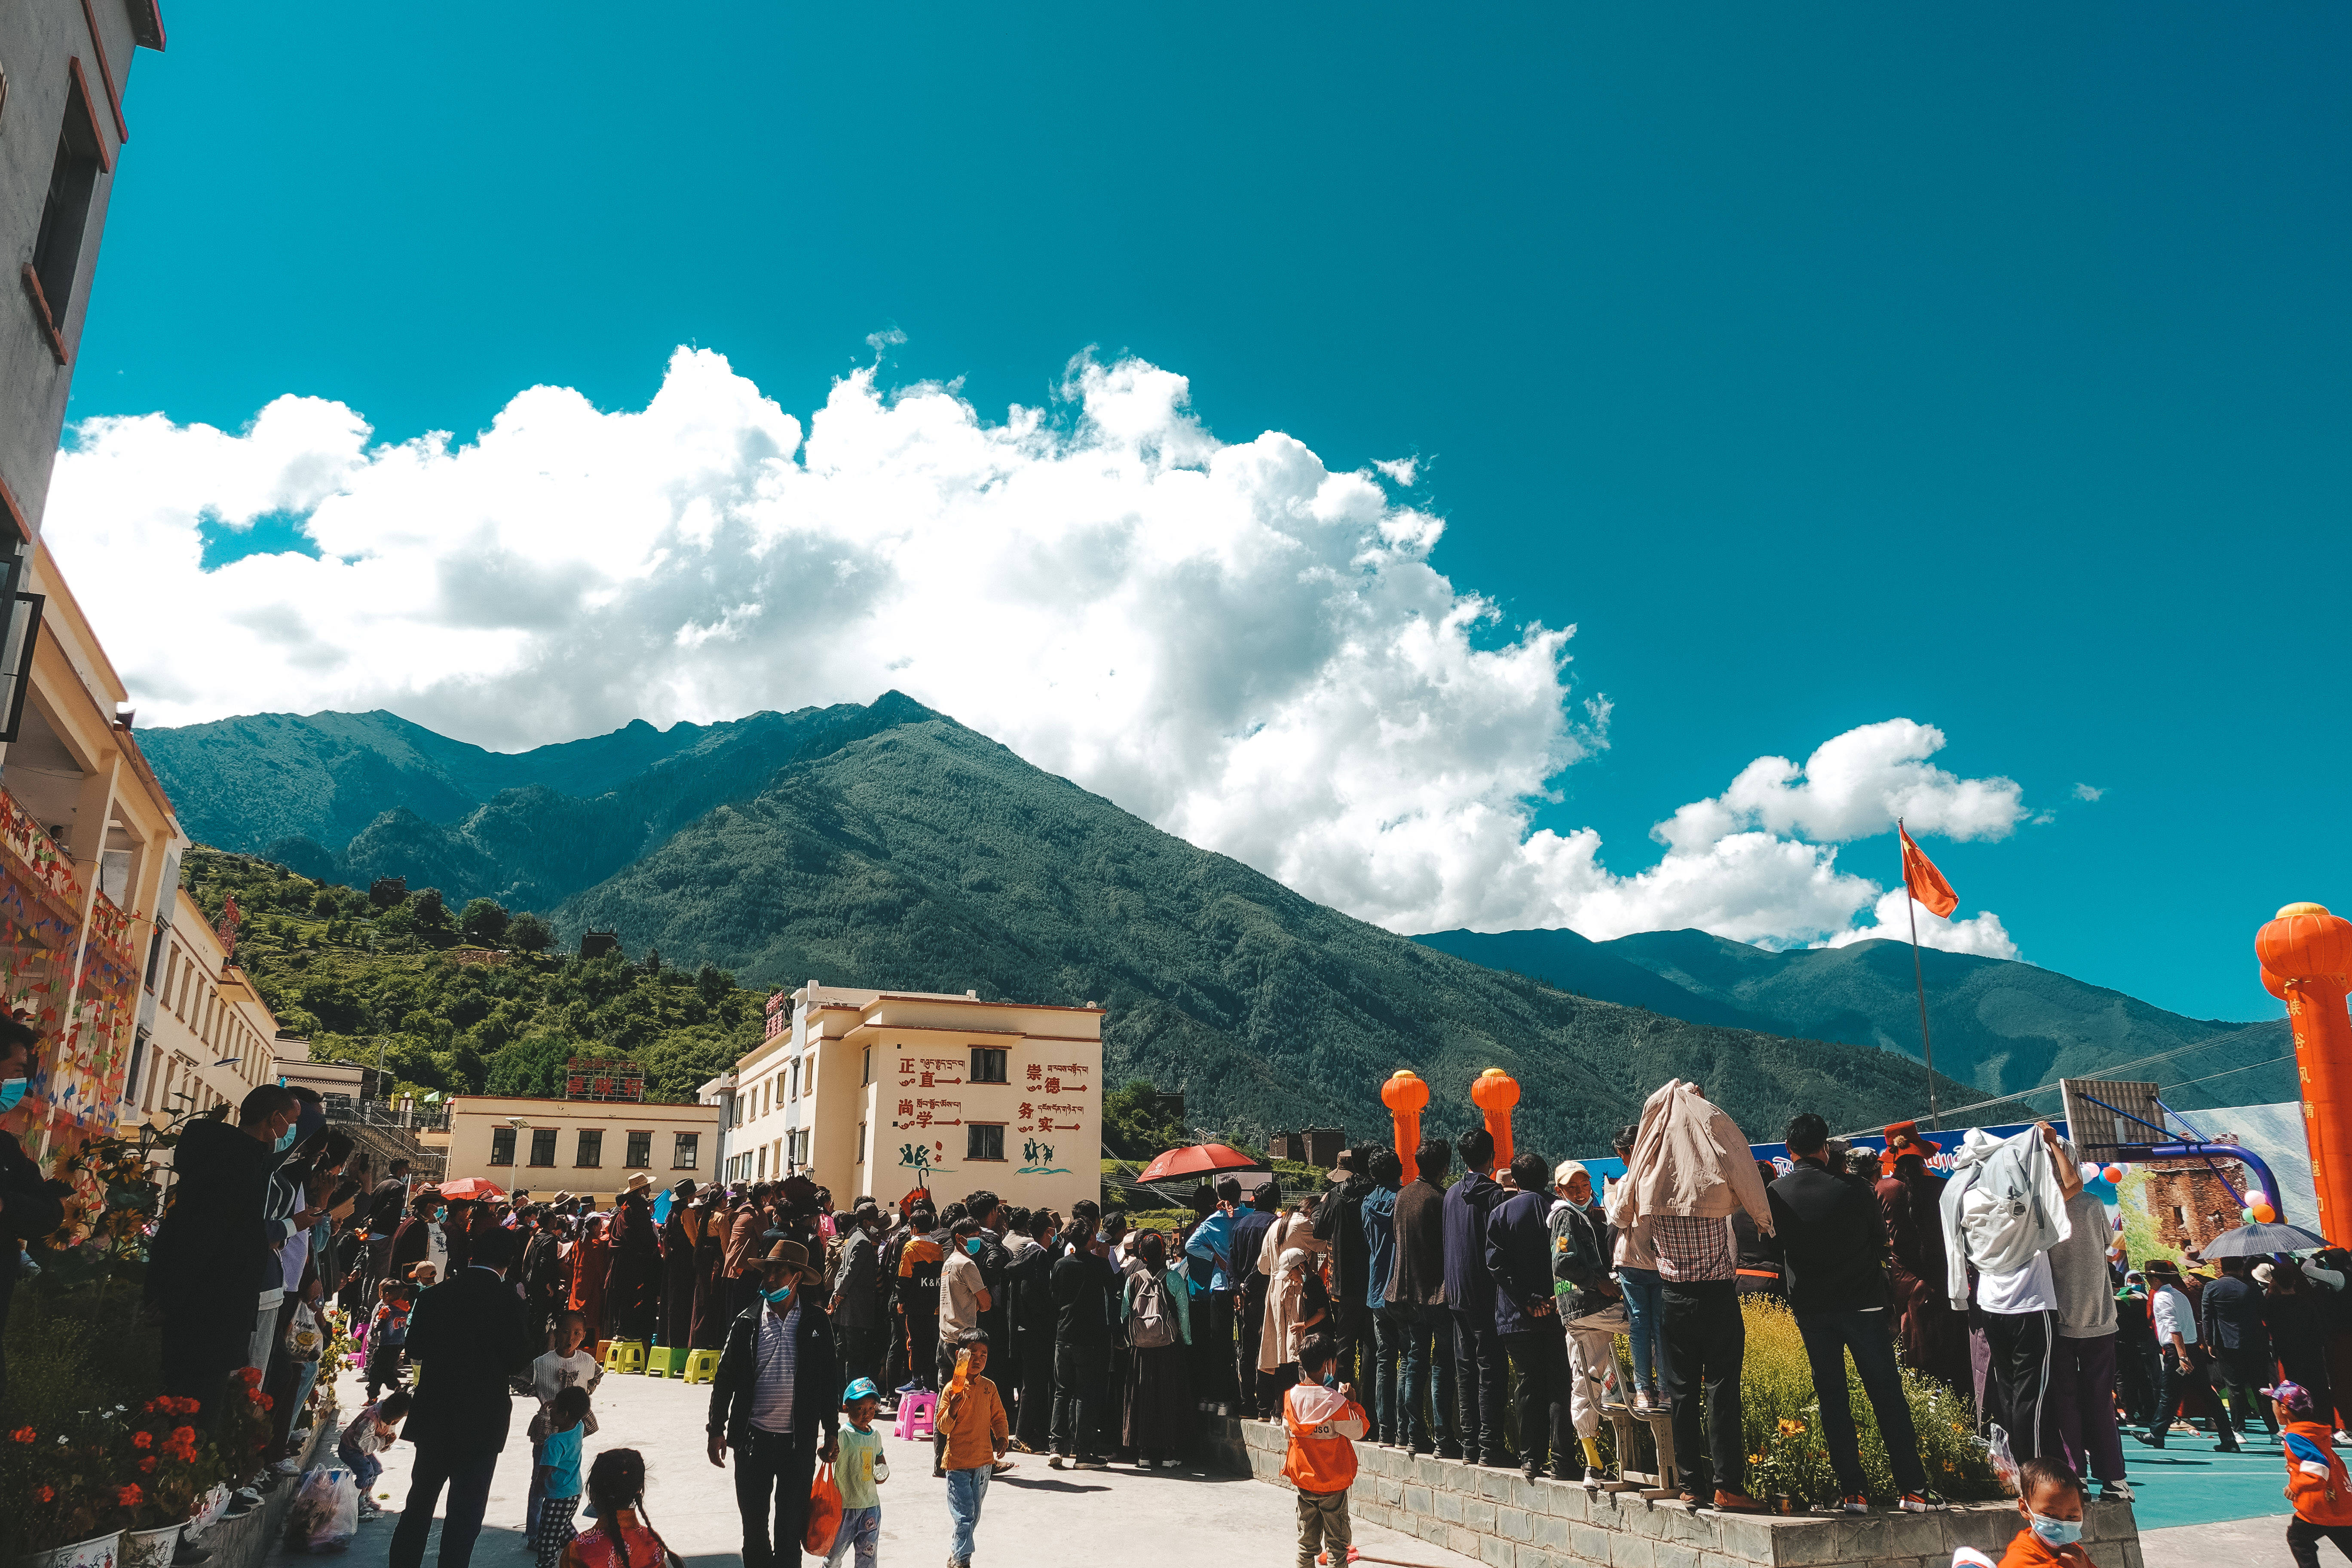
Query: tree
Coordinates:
[529,933]
[484,922]
[323,904]
[1137,1120]
[653,960]
[712,984]
[386,891]
[430,911]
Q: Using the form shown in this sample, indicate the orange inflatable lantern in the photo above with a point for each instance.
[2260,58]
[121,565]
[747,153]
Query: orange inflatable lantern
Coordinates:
[1495,1093]
[1406,1096]
[2307,957]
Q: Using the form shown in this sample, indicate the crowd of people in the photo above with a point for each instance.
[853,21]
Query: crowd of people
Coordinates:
[1475,1313]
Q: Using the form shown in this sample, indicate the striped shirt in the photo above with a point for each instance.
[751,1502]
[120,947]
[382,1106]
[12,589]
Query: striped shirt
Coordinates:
[776,1360]
[1691,1249]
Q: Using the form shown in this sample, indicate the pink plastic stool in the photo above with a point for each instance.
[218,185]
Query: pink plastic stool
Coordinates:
[914,1413]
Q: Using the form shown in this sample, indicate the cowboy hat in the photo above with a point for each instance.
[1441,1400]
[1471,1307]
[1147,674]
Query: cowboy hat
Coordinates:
[791,1254]
[637,1181]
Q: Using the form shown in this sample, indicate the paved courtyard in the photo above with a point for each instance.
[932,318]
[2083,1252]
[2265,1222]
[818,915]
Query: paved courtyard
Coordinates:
[1034,1517]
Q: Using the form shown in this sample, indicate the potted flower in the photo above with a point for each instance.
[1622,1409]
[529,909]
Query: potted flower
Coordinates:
[73,1495]
[172,1468]
[244,1428]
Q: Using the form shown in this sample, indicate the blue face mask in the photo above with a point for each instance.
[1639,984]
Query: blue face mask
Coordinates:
[285,1141]
[1331,1380]
[779,1296]
[2057,1532]
[972,1246]
[12,1089]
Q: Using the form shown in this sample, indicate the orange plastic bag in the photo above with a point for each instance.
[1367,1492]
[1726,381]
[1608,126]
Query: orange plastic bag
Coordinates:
[824,1514]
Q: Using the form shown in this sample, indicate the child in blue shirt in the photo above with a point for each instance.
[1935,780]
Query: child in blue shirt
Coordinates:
[559,1474]
[856,1470]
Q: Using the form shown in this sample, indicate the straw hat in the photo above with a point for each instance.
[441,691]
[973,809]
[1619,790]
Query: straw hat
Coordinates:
[638,1181]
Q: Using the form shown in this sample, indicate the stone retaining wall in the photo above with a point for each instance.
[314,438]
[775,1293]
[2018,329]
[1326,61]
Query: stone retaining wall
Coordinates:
[1501,1518]
[244,1542]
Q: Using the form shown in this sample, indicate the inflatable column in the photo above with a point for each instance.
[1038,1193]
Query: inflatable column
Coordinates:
[2307,957]
[1495,1093]
[1405,1096]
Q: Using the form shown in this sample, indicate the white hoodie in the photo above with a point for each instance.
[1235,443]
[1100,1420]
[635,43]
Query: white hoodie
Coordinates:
[2002,1207]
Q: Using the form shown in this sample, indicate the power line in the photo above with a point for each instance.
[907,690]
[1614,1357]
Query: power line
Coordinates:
[2108,1069]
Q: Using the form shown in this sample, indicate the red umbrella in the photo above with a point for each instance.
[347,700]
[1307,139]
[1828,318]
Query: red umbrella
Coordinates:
[473,1188]
[1199,1159]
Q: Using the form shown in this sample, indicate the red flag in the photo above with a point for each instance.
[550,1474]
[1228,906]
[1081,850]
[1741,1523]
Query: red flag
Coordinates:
[226,929]
[1927,884]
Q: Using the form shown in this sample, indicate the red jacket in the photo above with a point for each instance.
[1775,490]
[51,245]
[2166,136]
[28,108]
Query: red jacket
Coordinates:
[2321,1494]
[2030,1551]
[1322,1456]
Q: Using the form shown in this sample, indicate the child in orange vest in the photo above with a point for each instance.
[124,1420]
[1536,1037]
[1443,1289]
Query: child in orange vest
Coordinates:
[2315,1482]
[2050,1495]
[1324,1420]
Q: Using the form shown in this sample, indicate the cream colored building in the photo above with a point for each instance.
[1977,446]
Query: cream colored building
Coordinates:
[578,1146]
[882,1091]
[211,1039]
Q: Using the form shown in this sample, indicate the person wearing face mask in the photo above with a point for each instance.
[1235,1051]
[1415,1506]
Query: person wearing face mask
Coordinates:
[216,1247]
[416,1240]
[30,1208]
[2049,1496]
[777,1386]
[964,1297]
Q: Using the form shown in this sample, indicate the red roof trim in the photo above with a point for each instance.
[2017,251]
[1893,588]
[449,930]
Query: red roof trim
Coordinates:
[105,71]
[105,157]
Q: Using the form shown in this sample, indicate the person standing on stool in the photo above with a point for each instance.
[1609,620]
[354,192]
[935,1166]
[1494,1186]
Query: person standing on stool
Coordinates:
[779,1384]
[468,1335]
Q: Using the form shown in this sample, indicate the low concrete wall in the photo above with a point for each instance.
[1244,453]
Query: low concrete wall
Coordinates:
[244,1542]
[1502,1519]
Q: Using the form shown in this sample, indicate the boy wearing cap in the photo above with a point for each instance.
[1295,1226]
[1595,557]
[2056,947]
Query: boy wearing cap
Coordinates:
[2316,1480]
[861,1505]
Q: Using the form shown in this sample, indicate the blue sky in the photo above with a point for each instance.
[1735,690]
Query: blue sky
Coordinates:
[1820,365]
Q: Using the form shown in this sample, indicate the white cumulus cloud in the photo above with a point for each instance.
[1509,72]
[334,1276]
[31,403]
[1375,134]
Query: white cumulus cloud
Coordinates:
[1230,639]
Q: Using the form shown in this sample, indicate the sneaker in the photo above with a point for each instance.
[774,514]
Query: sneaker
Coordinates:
[1855,1504]
[1919,1502]
[1055,1462]
[1644,1403]
[1167,1464]
[1142,1461]
[1532,1471]
[1005,1465]
[2114,1492]
[1737,1502]
[1593,1480]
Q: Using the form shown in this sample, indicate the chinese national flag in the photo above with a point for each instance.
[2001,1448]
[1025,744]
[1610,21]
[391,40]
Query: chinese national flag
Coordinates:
[1927,884]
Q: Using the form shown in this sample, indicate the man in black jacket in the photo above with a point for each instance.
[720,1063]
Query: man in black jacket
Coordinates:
[213,1254]
[857,1305]
[1827,1229]
[778,1384]
[1029,1284]
[1478,1361]
[1519,1258]
[2229,1317]
[1250,1227]
[30,1208]
[1340,1223]
[468,1336]
[1417,1291]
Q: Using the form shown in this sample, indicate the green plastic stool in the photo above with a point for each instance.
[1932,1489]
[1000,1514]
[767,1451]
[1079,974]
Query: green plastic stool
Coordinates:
[665,1360]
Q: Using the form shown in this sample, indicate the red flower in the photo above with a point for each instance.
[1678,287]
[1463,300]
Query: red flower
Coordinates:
[43,1494]
[185,1434]
[24,1434]
[142,1439]
[147,1466]
[130,1497]
[250,1374]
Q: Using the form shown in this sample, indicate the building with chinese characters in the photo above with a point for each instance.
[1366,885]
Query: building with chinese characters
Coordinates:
[884,1091]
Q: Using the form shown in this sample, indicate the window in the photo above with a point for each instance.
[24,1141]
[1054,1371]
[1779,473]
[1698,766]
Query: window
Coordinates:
[861,1143]
[984,1141]
[543,1145]
[987,1066]
[760,1166]
[794,1092]
[867,1079]
[65,215]
[689,1150]
[592,1148]
[640,1150]
[502,1142]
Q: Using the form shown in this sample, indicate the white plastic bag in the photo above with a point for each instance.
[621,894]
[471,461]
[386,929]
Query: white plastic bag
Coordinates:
[303,1340]
[326,1511]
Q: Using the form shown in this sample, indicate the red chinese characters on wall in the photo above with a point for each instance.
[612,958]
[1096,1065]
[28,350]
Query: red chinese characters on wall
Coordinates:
[1057,1078]
[927,1072]
[912,1112]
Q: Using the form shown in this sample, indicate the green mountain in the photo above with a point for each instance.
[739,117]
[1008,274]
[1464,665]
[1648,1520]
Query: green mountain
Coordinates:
[1999,1026]
[919,855]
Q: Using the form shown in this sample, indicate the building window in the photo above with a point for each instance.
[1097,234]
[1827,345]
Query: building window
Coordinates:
[861,1143]
[640,1150]
[65,215]
[502,1142]
[869,1077]
[592,1148]
[760,1169]
[984,1141]
[987,1066]
[689,1150]
[543,1146]
[795,1089]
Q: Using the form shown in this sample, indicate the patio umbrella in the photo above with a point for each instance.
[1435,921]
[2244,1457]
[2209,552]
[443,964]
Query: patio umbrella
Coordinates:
[1198,1161]
[473,1188]
[2260,1241]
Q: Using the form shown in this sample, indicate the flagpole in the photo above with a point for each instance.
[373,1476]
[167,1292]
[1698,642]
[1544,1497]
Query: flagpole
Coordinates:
[1919,979]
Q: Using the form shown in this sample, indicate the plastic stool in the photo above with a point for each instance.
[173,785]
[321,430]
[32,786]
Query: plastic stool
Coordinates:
[701,1365]
[603,1352]
[626,1357]
[916,1411]
[665,1360]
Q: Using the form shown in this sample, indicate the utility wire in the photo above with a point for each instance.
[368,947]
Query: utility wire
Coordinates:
[2107,1070]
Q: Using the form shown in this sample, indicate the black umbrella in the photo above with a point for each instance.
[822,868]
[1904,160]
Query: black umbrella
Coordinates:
[2260,1241]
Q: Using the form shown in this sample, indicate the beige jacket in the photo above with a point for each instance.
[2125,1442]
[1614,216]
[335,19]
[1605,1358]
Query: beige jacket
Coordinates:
[1278,1335]
[1690,1159]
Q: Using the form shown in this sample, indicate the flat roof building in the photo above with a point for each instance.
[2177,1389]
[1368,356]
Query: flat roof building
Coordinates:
[585,1147]
[881,1092]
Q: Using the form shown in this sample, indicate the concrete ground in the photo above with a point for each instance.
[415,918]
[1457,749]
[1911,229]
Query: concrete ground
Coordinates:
[2247,1541]
[1034,1517]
